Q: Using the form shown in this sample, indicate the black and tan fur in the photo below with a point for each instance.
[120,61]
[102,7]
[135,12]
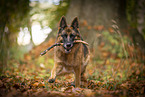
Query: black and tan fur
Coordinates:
[70,58]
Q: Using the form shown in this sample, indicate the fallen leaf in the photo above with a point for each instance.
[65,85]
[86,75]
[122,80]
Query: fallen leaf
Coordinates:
[89,27]
[88,92]
[111,30]
[68,89]
[1,83]
[85,23]
[138,72]
[35,84]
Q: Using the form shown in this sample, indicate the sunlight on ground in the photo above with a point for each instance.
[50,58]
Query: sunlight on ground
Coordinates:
[38,35]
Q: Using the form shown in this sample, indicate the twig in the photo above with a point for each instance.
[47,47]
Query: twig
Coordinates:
[80,41]
[56,44]
[59,44]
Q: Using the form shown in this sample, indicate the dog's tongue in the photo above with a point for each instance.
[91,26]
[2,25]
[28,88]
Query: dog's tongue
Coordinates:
[67,50]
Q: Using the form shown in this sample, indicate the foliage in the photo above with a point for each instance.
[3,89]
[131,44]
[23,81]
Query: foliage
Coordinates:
[48,15]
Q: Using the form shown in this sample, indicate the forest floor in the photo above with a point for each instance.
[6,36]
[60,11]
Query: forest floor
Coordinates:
[109,73]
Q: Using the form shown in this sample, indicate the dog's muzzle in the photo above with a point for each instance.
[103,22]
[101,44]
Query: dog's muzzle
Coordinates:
[68,47]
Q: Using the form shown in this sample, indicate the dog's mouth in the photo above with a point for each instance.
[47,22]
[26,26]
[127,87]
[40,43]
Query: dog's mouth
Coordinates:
[68,48]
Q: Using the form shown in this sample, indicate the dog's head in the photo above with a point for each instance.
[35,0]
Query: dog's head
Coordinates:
[67,34]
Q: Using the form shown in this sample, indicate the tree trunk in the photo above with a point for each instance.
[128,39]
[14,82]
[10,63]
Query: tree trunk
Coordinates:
[4,47]
[93,14]
[136,19]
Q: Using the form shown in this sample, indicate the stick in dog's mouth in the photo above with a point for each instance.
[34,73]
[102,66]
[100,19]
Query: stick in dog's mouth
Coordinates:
[80,41]
[60,44]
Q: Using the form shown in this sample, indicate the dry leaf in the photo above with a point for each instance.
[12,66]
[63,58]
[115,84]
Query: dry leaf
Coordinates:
[35,84]
[89,27]
[138,72]
[85,23]
[1,83]
[88,93]
[111,30]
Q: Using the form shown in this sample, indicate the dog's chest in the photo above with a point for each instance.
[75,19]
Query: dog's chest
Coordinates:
[70,59]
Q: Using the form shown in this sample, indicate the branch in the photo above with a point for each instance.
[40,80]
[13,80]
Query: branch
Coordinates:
[80,41]
[56,44]
[59,44]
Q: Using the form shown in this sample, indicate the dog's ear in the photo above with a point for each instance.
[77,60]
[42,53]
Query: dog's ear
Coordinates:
[75,23]
[63,23]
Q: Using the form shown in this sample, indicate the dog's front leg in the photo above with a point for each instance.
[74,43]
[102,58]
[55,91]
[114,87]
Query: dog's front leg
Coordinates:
[56,69]
[77,71]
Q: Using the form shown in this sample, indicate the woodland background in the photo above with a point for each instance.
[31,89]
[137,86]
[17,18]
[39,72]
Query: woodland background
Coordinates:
[114,29]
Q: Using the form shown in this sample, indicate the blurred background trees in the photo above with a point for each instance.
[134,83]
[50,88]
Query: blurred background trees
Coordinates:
[95,16]
[14,14]
[98,14]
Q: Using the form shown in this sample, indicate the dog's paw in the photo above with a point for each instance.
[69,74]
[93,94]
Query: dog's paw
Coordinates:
[73,84]
[51,80]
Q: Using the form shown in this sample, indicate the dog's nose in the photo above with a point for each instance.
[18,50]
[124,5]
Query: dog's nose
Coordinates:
[68,44]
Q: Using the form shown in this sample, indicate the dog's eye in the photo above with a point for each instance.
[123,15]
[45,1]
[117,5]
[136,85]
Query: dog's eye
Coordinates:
[72,35]
[64,35]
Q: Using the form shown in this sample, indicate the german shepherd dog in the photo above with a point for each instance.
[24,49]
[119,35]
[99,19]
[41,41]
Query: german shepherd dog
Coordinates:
[70,57]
